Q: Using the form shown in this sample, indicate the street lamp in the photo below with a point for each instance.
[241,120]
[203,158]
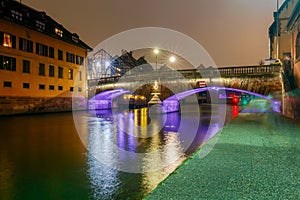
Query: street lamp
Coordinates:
[172,59]
[277,31]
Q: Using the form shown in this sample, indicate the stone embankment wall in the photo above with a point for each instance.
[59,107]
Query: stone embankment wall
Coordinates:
[28,105]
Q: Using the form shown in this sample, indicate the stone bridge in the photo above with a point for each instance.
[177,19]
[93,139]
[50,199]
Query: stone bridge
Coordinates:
[262,79]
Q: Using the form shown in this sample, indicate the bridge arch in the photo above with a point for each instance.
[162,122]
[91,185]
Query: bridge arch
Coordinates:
[104,99]
[171,104]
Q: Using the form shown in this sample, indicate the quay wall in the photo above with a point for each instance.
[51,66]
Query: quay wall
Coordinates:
[10,105]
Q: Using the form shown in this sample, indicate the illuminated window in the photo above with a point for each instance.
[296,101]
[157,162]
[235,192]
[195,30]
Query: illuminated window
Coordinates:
[7,40]
[70,74]
[58,32]
[7,63]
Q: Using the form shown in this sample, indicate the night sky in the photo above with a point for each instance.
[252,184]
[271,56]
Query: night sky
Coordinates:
[234,32]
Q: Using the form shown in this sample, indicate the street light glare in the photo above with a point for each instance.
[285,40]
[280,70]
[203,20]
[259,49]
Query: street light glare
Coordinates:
[156,51]
[172,59]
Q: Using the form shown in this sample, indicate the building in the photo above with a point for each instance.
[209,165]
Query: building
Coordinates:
[41,63]
[293,28]
[284,13]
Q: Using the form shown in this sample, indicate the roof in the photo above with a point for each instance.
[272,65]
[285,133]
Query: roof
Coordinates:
[26,16]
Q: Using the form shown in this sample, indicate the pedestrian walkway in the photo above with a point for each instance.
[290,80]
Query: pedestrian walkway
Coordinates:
[257,156]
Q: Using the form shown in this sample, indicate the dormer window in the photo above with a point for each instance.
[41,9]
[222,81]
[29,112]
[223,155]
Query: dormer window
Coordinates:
[58,32]
[75,38]
[17,15]
[40,25]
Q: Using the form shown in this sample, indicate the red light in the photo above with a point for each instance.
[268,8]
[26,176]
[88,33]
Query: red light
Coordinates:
[235,100]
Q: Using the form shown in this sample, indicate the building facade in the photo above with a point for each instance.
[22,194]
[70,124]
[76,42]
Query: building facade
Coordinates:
[293,28]
[284,13]
[42,64]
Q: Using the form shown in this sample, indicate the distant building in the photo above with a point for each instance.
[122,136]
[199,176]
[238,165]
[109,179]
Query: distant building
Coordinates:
[103,65]
[122,64]
[40,61]
[293,27]
[284,38]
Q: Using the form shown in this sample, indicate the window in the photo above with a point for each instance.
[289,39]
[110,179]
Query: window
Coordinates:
[7,84]
[70,74]
[79,60]
[75,38]
[51,87]
[40,25]
[7,63]
[298,46]
[42,69]
[58,32]
[41,86]
[26,85]
[70,57]
[51,70]
[51,52]
[71,89]
[80,76]
[60,87]
[17,15]
[25,45]
[26,66]
[8,40]
[60,72]
[79,89]
[60,54]
[41,49]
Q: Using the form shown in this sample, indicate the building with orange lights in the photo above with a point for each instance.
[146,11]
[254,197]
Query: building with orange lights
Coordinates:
[42,64]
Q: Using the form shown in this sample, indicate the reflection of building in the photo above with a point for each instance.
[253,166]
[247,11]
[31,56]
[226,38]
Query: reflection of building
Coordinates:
[293,27]
[284,38]
[39,60]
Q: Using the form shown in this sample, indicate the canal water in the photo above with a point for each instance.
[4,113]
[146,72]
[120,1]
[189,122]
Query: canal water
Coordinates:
[49,156]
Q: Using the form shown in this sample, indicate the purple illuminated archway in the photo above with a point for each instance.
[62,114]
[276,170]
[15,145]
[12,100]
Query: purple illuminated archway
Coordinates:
[171,104]
[104,99]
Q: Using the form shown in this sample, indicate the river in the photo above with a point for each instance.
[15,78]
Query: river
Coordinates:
[49,156]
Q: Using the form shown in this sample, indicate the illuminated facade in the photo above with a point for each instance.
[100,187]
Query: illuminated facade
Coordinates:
[40,61]
[284,13]
[293,27]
